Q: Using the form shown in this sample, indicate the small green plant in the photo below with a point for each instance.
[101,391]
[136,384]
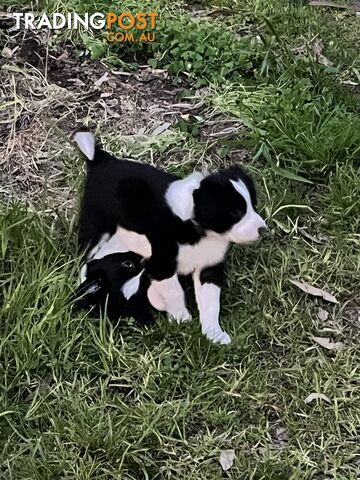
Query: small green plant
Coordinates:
[205,52]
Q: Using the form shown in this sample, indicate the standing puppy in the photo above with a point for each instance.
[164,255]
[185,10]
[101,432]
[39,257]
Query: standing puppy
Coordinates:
[180,226]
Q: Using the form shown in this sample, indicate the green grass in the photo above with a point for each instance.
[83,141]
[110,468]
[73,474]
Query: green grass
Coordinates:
[84,399]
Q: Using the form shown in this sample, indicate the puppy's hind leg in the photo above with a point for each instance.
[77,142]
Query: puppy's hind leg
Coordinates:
[165,292]
[168,295]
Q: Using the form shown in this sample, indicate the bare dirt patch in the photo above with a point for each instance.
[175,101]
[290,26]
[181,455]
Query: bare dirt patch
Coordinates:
[47,95]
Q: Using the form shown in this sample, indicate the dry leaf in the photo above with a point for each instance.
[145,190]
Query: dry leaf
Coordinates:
[328,344]
[316,292]
[318,47]
[226,459]
[322,314]
[317,396]
[318,239]
[101,80]
[77,81]
[7,52]
[63,56]
[161,128]
[112,113]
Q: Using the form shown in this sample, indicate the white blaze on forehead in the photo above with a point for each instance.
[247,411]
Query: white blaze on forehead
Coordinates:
[247,229]
[240,187]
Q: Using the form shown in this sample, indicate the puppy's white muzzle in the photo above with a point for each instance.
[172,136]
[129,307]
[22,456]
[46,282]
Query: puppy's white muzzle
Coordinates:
[248,229]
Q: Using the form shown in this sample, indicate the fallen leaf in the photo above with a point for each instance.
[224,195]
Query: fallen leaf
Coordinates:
[161,128]
[112,113]
[279,435]
[63,56]
[77,81]
[226,459]
[322,314]
[318,47]
[317,239]
[7,52]
[328,344]
[316,292]
[317,396]
[101,80]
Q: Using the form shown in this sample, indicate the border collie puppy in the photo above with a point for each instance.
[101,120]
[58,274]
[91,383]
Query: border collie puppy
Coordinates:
[116,283]
[180,226]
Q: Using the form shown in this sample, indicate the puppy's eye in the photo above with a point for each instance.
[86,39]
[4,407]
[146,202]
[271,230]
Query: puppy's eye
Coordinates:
[128,265]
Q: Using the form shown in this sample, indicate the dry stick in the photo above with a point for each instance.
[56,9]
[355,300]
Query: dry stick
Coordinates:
[354,5]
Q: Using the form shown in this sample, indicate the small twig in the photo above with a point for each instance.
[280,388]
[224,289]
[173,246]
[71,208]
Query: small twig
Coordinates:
[354,5]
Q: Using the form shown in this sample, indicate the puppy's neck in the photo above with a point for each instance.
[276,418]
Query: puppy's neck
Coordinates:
[179,195]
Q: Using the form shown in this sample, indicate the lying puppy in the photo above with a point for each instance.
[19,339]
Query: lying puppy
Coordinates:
[180,226]
[117,283]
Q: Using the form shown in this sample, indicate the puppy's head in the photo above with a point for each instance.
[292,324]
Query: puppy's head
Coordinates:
[105,279]
[225,203]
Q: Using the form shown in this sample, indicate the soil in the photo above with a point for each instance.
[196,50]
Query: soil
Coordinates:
[49,93]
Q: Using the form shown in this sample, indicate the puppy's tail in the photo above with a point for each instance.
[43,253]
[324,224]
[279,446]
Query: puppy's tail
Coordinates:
[87,143]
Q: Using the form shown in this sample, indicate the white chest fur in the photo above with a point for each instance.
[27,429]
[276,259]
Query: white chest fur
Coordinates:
[208,252]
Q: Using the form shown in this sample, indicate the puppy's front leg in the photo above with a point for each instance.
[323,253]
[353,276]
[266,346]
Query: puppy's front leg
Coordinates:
[207,293]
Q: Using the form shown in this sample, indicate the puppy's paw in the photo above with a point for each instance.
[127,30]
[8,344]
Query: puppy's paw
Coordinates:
[181,316]
[216,335]
[155,299]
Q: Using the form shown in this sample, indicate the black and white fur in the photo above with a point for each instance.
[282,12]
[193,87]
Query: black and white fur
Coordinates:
[180,226]
[116,283]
